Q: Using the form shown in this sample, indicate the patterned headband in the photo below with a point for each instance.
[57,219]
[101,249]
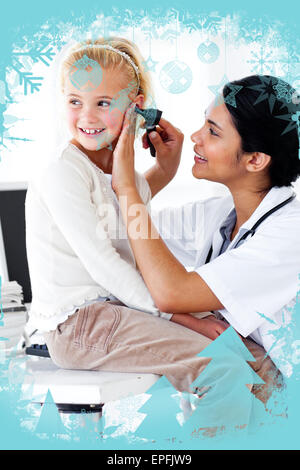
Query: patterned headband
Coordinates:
[113,49]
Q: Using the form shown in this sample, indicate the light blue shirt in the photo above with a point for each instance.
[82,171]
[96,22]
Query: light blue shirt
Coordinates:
[226,230]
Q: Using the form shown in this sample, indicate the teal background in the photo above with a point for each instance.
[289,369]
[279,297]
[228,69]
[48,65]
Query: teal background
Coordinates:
[20,19]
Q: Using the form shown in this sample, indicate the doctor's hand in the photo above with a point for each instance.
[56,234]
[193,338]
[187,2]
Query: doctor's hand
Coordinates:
[167,141]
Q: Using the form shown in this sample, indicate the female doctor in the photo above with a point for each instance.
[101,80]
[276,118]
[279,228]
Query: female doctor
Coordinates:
[246,270]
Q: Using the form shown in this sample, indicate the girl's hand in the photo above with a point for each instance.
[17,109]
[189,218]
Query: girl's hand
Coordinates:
[210,326]
[123,174]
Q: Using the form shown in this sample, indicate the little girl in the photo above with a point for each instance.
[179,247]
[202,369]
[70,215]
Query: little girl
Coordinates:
[77,246]
[88,297]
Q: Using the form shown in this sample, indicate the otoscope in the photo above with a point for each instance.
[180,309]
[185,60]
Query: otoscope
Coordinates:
[152,118]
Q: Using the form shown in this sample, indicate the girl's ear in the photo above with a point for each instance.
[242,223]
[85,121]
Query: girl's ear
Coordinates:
[139,100]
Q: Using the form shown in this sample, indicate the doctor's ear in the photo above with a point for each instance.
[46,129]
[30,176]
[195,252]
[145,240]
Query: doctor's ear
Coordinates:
[257,161]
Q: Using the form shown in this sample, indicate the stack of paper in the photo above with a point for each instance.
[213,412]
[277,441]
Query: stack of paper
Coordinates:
[13,315]
[11,297]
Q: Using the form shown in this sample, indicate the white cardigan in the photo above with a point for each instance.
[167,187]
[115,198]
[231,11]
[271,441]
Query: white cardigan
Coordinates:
[77,246]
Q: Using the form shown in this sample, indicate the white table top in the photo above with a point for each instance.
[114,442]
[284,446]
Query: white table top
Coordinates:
[80,386]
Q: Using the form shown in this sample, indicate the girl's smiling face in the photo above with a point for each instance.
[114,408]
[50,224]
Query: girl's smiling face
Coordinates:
[217,147]
[95,117]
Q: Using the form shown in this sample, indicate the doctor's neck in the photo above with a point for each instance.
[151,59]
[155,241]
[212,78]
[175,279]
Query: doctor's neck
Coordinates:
[246,199]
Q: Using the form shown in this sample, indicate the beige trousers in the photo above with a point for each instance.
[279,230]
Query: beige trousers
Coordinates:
[111,337]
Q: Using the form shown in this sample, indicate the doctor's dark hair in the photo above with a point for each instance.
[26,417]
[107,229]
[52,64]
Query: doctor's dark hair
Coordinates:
[266,113]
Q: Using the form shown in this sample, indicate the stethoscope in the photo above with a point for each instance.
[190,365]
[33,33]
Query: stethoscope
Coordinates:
[253,229]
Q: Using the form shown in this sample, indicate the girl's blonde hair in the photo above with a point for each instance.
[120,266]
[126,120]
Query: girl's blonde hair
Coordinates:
[107,58]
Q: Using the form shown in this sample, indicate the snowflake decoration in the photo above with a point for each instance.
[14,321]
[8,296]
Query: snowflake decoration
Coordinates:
[262,61]
[212,24]
[252,29]
[296,119]
[230,98]
[170,35]
[43,53]
[150,32]
[293,123]
[283,91]
[266,90]
[133,19]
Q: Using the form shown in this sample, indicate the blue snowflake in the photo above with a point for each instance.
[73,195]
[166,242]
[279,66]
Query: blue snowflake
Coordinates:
[296,119]
[266,90]
[133,18]
[262,61]
[254,29]
[170,35]
[38,54]
[283,91]
[150,32]
[28,80]
[293,123]
[212,24]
